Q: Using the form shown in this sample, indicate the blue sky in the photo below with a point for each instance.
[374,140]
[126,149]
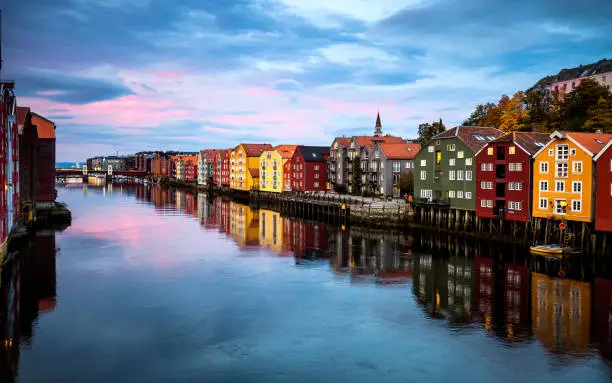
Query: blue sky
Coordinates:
[130,75]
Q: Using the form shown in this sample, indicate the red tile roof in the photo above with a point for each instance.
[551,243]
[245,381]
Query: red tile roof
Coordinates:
[475,137]
[363,141]
[44,127]
[400,151]
[593,142]
[532,142]
[344,141]
[286,151]
[255,150]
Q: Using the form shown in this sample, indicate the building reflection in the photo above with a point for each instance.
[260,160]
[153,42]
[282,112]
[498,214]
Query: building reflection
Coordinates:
[561,313]
[244,225]
[28,290]
[602,310]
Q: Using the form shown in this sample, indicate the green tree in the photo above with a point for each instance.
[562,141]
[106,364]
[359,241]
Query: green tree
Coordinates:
[576,105]
[356,177]
[537,103]
[479,115]
[406,182]
[600,116]
[427,131]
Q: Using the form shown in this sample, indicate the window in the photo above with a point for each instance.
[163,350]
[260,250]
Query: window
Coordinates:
[396,166]
[423,175]
[316,175]
[551,152]
[559,186]
[479,138]
[576,205]
[460,154]
[486,167]
[515,186]
[426,193]
[577,167]
[562,169]
[543,204]
[450,147]
[486,185]
[316,184]
[559,207]
[437,142]
[543,167]
[562,152]
[316,167]
[572,151]
[451,194]
[451,175]
[490,151]
[543,185]
[459,175]
[468,175]
[468,195]
[577,187]
[451,162]
[459,193]
[511,150]
[438,157]
[489,203]
[423,162]
[468,162]
[483,203]
[514,205]
[430,149]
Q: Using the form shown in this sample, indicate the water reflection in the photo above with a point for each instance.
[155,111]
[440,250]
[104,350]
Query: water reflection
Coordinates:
[467,288]
[28,291]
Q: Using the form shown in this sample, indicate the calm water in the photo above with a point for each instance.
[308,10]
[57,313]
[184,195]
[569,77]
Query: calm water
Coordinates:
[152,285]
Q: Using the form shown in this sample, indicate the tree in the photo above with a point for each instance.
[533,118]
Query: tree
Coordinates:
[406,182]
[575,107]
[479,115]
[513,116]
[537,103]
[427,131]
[600,116]
[356,176]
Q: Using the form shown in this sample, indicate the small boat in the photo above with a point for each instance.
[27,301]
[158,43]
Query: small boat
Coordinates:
[553,250]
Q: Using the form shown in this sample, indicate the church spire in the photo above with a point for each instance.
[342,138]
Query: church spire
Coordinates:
[378,129]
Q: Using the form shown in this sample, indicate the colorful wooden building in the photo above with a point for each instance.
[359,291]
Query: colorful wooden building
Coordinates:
[337,163]
[222,171]
[244,166]
[308,169]
[271,230]
[603,199]
[563,176]
[503,176]
[388,162]
[244,225]
[271,167]
[445,167]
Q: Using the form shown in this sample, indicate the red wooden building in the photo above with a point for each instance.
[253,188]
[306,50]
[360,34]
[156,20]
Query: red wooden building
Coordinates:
[603,195]
[504,174]
[222,168]
[309,168]
[45,159]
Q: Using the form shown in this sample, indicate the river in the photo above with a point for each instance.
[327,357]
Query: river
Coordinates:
[157,285]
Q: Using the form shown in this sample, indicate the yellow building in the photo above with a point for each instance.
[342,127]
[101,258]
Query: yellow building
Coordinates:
[244,225]
[271,165]
[244,166]
[563,176]
[561,313]
[271,230]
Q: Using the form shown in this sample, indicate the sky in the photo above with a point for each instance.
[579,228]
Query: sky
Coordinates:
[132,75]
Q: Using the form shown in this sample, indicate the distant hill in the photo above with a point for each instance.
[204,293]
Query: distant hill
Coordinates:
[68,164]
[565,74]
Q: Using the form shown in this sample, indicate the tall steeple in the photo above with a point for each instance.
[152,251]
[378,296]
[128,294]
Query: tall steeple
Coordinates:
[378,129]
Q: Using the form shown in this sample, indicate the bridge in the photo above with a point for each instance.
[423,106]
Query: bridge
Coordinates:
[84,172]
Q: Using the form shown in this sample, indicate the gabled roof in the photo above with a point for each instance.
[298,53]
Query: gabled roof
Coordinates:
[286,151]
[591,143]
[45,128]
[364,141]
[400,151]
[22,113]
[313,153]
[602,151]
[530,142]
[475,137]
[255,150]
[343,141]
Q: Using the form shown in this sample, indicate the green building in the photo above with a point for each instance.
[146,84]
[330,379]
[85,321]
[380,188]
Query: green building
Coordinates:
[444,169]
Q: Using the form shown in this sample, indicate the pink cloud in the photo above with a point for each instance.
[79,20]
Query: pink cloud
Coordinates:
[170,74]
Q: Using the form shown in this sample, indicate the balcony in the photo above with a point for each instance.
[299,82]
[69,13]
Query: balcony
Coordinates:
[500,172]
[500,190]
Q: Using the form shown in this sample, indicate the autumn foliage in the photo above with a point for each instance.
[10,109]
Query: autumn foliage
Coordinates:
[587,108]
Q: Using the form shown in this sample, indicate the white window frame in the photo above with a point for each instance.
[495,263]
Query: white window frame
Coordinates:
[545,184]
[512,150]
[451,175]
[423,162]
[450,147]
[460,154]
[468,195]
[557,183]
[543,165]
[575,165]
[459,175]
[562,151]
[430,149]
[423,175]
[579,202]
[451,162]
[543,204]
[468,161]
[468,175]
[574,184]
[451,194]
[562,170]
[460,194]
